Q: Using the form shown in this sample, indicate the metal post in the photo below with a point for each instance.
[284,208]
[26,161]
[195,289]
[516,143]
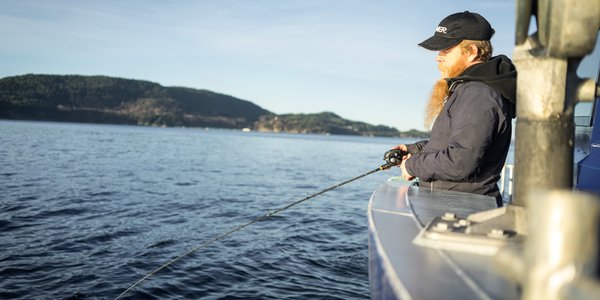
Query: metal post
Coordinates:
[545,130]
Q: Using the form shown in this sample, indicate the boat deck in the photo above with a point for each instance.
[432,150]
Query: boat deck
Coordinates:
[400,269]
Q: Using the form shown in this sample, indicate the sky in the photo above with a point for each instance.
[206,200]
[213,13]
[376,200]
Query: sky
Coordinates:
[356,58]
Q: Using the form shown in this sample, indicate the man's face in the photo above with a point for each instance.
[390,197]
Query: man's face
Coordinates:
[452,60]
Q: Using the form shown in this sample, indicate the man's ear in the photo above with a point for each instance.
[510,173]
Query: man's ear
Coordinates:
[473,53]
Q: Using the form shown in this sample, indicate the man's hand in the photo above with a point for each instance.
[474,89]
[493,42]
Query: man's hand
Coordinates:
[404,149]
[405,173]
[395,155]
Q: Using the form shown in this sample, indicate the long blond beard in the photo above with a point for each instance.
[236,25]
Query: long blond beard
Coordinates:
[440,92]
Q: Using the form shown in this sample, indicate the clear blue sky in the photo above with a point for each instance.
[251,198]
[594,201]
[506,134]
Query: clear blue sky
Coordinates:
[358,59]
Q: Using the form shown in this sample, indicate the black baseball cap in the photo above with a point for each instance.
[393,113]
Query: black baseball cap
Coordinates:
[458,27]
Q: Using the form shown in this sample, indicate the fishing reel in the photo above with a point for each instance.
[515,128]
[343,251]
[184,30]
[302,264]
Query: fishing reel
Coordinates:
[394,157]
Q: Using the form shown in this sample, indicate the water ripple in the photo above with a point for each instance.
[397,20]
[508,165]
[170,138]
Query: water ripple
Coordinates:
[91,209]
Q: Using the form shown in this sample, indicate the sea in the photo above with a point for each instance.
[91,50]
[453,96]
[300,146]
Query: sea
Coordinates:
[88,210]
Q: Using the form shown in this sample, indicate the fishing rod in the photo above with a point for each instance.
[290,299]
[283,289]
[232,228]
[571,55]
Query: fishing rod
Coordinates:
[392,157]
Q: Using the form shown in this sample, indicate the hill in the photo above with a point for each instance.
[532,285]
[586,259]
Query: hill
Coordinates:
[326,123]
[102,99]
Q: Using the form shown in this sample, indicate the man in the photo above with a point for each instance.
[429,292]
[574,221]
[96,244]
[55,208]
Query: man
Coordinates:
[470,108]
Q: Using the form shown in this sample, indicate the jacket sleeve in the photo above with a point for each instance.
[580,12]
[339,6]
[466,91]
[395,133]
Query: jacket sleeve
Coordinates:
[474,121]
[416,147]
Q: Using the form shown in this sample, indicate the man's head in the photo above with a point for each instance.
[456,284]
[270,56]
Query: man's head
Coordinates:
[462,39]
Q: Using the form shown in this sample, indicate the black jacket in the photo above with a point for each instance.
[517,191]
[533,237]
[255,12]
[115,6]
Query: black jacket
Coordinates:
[471,136]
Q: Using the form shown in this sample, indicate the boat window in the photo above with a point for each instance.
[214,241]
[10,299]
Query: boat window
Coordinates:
[583,113]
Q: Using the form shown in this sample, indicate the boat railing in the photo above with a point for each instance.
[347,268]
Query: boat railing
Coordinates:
[506,183]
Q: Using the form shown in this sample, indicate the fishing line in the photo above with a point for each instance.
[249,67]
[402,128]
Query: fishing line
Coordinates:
[258,219]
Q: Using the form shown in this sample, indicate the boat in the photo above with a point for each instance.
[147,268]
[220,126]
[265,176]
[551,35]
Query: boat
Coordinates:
[545,242]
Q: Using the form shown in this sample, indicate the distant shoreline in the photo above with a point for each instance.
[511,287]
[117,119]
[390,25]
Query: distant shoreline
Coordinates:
[110,100]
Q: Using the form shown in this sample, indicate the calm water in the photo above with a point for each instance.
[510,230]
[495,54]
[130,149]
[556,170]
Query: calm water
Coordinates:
[87,210]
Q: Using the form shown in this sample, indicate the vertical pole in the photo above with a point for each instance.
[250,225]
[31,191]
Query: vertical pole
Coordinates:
[545,130]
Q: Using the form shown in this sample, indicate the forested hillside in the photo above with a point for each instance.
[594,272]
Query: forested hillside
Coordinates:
[102,99]
[327,123]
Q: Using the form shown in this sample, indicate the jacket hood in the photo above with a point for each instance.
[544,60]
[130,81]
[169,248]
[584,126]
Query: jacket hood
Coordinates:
[498,72]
